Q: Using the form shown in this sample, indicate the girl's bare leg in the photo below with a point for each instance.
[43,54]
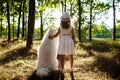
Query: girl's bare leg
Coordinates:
[59,64]
[71,61]
[62,61]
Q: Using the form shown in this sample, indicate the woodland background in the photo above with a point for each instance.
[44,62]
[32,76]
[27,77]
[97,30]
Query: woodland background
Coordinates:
[97,45]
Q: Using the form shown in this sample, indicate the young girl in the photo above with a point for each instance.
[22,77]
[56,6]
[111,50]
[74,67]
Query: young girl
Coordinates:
[67,40]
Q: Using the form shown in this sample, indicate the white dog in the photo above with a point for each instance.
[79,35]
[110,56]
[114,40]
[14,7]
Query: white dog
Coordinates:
[47,54]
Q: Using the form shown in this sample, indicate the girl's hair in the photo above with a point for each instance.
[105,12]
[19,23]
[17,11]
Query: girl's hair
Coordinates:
[65,24]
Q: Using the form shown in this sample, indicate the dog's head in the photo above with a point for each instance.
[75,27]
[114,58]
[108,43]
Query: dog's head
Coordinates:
[51,31]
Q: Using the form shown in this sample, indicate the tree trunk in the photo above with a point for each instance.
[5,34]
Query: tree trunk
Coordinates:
[41,21]
[65,6]
[8,19]
[41,29]
[114,24]
[62,6]
[1,28]
[79,28]
[23,20]
[31,22]
[71,5]
[13,26]
[13,20]
[90,30]
[18,31]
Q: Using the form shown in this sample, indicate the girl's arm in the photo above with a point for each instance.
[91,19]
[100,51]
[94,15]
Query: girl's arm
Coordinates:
[73,36]
[55,35]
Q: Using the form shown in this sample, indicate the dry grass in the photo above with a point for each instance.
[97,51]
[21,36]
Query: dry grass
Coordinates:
[93,61]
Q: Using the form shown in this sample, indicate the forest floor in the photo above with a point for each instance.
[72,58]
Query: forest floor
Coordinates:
[96,60]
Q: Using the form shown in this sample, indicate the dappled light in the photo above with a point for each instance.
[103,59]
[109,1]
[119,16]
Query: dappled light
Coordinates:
[100,46]
[82,40]
[21,63]
[109,63]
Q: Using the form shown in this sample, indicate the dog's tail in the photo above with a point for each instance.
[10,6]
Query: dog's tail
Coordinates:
[42,72]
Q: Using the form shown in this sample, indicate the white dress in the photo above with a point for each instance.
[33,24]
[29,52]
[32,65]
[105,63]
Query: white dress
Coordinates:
[66,44]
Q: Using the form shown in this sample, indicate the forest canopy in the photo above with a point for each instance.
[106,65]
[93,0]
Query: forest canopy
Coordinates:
[89,17]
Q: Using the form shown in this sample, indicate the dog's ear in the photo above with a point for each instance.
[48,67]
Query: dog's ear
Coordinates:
[50,31]
[51,28]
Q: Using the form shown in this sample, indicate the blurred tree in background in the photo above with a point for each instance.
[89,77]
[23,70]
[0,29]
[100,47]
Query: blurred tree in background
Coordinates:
[84,14]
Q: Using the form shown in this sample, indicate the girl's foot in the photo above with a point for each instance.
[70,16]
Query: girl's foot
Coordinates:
[57,70]
[62,70]
[71,69]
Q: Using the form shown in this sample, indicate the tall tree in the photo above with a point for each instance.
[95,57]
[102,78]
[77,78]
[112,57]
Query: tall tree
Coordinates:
[65,6]
[1,17]
[41,19]
[114,21]
[1,27]
[62,6]
[18,31]
[13,27]
[114,18]
[23,20]
[8,19]
[79,28]
[41,29]
[90,29]
[31,22]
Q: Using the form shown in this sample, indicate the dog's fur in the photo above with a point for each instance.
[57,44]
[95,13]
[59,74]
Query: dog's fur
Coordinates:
[47,54]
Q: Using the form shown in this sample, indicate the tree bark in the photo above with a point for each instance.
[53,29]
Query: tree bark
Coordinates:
[31,22]
[62,6]
[41,29]
[65,6]
[90,30]
[18,31]
[23,20]
[13,26]
[1,28]
[114,18]
[8,19]
[79,28]
[41,21]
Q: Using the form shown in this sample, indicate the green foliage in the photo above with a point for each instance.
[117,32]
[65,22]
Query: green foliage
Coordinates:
[37,33]
[118,31]
[102,32]
[45,8]
[3,29]
[98,31]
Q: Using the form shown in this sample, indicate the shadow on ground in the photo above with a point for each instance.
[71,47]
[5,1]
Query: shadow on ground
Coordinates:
[110,65]
[108,59]
[5,43]
[20,53]
[99,47]
[53,76]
